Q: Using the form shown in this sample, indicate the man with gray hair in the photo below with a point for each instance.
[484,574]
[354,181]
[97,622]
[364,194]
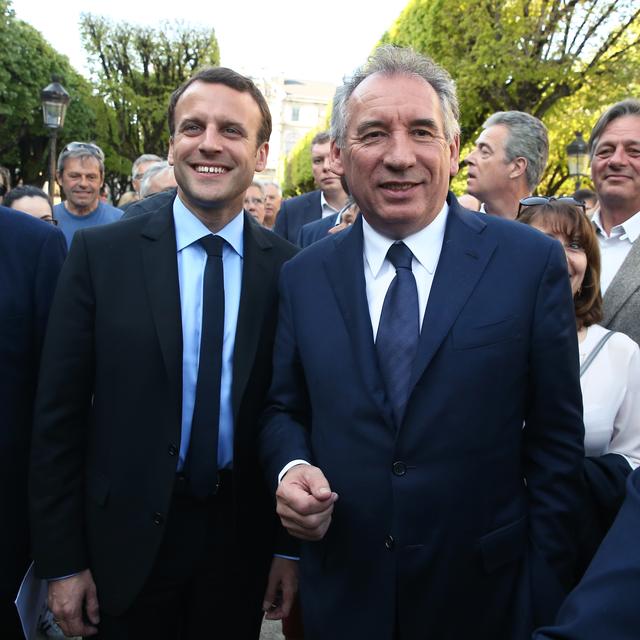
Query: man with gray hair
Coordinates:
[139,168]
[272,202]
[508,161]
[453,520]
[81,176]
[158,177]
[615,169]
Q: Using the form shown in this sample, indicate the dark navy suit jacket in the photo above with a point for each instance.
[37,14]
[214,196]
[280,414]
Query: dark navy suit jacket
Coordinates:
[31,255]
[606,603]
[295,213]
[460,523]
[316,230]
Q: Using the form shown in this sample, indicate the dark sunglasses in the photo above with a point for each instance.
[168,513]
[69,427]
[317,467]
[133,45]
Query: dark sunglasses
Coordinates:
[94,149]
[536,201]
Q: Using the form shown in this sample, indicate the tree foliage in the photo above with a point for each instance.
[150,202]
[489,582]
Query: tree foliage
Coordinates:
[560,60]
[136,69]
[298,177]
[26,66]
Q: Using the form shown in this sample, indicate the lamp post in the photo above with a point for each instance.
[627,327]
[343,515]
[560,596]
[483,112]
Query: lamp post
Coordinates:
[577,158]
[54,107]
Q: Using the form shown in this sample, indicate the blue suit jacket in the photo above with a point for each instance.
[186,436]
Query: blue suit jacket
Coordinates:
[435,530]
[316,230]
[31,255]
[605,603]
[296,212]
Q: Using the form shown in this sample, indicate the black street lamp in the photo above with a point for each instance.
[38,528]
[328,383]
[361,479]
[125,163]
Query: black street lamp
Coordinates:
[54,107]
[577,158]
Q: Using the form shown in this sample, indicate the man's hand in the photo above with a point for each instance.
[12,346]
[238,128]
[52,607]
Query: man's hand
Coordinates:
[69,598]
[282,587]
[305,502]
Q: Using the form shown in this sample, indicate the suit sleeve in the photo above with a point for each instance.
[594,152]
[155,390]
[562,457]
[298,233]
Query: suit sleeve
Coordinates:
[285,424]
[553,433]
[61,422]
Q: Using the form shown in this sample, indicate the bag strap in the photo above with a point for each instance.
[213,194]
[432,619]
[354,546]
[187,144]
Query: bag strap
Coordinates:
[595,351]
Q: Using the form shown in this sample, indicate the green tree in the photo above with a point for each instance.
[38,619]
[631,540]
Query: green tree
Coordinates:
[26,66]
[560,60]
[298,177]
[136,70]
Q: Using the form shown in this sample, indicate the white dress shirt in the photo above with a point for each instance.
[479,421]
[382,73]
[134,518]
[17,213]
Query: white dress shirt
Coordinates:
[615,246]
[611,396]
[425,245]
[327,209]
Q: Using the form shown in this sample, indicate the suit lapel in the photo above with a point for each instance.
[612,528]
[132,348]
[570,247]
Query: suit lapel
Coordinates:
[163,288]
[623,285]
[256,271]
[345,270]
[465,254]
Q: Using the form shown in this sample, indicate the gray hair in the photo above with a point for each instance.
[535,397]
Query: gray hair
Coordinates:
[81,150]
[144,158]
[628,107]
[258,185]
[272,184]
[526,138]
[390,61]
[151,172]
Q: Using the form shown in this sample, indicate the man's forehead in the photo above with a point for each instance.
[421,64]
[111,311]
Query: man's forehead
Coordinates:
[493,136]
[215,94]
[88,163]
[320,149]
[624,127]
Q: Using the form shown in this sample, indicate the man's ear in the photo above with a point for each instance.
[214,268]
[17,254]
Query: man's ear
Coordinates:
[335,159]
[519,167]
[170,154]
[261,156]
[454,159]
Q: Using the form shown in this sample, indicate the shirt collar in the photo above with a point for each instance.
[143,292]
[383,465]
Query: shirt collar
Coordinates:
[425,244]
[325,205]
[190,229]
[630,227]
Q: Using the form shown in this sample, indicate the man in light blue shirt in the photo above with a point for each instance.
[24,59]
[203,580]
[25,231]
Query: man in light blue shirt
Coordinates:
[151,516]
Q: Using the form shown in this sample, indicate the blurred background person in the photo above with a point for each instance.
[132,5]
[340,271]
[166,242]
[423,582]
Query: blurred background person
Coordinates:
[253,202]
[272,202]
[589,198]
[609,368]
[158,177]
[138,169]
[31,200]
[5,182]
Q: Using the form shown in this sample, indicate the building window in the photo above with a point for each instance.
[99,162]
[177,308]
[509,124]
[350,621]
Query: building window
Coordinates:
[295,114]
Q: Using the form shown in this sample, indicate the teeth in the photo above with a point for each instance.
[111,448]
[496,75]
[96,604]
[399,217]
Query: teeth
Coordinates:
[399,187]
[206,169]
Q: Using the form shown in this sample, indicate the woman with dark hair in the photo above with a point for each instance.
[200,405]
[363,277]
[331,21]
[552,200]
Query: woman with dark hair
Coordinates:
[609,366]
[31,200]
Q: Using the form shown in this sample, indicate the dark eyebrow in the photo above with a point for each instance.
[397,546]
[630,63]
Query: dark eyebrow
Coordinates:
[425,122]
[368,124]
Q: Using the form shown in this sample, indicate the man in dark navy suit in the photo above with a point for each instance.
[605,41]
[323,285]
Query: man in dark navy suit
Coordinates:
[31,255]
[424,432]
[327,200]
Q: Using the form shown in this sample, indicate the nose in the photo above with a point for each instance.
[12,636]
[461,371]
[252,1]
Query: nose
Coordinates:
[326,164]
[400,154]
[619,156]
[470,157]
[210,141]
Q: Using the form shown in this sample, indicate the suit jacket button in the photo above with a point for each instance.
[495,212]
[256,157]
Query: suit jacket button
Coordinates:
[389,543]
[158,518]
[399,468]
[173,450]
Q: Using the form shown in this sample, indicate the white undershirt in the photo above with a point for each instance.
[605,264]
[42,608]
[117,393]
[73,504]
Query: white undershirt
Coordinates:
[327,209]
[615,247]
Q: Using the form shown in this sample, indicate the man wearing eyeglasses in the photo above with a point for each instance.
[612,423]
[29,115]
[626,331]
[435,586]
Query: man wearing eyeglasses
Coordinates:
[81,175]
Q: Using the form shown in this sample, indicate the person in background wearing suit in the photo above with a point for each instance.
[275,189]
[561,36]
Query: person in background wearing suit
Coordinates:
[327,200]
[615,169]
[426,508]
[31,255]
[605,603]
[144,471]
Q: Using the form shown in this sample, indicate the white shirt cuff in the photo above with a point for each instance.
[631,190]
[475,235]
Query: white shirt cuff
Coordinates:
[286,468]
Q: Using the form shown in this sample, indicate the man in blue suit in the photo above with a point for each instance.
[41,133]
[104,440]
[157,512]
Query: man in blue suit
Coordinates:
[605,603]
[31,255]
[327,200]
[424,432]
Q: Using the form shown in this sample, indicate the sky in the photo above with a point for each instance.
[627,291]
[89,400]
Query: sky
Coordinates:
[303,39]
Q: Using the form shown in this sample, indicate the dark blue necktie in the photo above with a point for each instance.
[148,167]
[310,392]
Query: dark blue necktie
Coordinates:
[201,467]
[399,330]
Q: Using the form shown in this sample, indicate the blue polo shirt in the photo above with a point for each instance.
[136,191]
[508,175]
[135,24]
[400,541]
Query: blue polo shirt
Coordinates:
[69,222]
